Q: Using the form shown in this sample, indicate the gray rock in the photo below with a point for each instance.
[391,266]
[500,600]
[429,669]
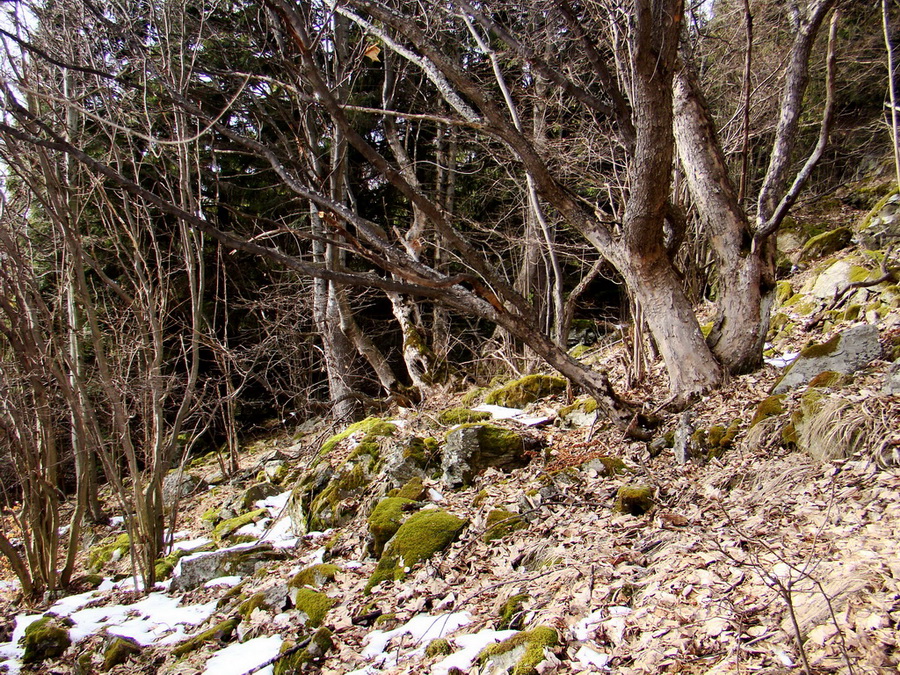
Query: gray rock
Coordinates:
[845,353]
[834,278]
[253,494]
[471,449]
[881,227]
[194,570]
[177,485]
[310,485]
[892,380]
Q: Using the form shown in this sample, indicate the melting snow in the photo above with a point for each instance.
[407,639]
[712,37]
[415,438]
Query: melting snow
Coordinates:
[239,658]
[783,360]
[585,627]
[222,581]
[498,412]
[423,628]
[471,646]
[591,657]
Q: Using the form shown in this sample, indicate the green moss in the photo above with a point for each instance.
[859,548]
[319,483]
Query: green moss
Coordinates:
[584,405]
[532,642]
[422,451]
[165,566]
[511,614]
[255,601]
[439,647]
[528,389]
[579,350]
[828,378]
[783,291]
[500,523]
[876,210]
[472,396]
[371,427]
[420,537]
[706,328]
[211,517]
[297,662]
[826,243]
[315,576]
[386,621]
[104,552]
[456,416]
[720,438]
[227,527]
[118,651]
[414,489]
[314,604]
[221,632]
[789,437]
[44,639]
[478,499]
[385,520]
[824,349]
[634,499]
[768,407]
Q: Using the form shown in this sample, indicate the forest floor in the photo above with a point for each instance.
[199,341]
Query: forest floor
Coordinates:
[739,555]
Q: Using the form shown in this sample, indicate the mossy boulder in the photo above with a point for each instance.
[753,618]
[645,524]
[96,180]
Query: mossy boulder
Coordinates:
[385,519]
[166,565]
[314,576]
[783,291]
[413,489]
[500,523]
[110,550]
[456,416]
[826,243]
[368,429]
[520,654]
[511,614]
[314,604]
[582,413]
[45,639]
[521,392]
[228,527]
[254,602]
[303,660]
[881,226]
[634,499]
[118,650]
[196,570]
[472,448]
[421,536]
[829,379]
[220,632]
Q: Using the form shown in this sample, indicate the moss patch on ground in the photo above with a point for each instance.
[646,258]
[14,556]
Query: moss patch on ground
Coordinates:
[530,643]
[44,639]
[315,576]
[312,603]
[462,416]
[118,651]
[634,499]
[511,614]
[228,527]
[768,407]
[500,523]
[371,427]
[420,537]
[107,551]
[528,389]
[221,632]
[414,489]
[320,643]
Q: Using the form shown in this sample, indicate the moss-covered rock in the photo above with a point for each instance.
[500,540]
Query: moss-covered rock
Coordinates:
[221,632]
[44,639]
[110,550]
[255,493]
[313,604]
[528,389]
[414,489]
[298,660]
[462,416]
[386,518]
[255,601]
[314,576]
[472,448]
[581,413]
[211,517]
[829,379]
[439,647]
[520,654]
[605,465]
[511,614]
[420,537]
[783,291]
[500,523]
[228,527]
[165,566]
[369,428]
[634,499]
[826,243]
[768,407]
[119,650]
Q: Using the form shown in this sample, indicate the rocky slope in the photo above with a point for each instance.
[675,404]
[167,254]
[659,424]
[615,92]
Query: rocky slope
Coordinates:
[468,537]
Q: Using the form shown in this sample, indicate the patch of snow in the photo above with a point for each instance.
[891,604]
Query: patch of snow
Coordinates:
[619,611]
[471,645]
[434,495]
[590,657]
[352,565]
[239,658]
[782,361]
[498,412]
[423,628]
[117,520]
[280,534]
[317,557]
[191,544]
[223,581]
[66,606]
[274,503]
[585,627]
[9,585]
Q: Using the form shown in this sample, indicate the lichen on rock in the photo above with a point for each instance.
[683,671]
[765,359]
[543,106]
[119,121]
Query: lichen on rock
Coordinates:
[420,537]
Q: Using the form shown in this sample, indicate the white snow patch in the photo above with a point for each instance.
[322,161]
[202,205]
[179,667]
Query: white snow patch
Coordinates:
[498,412]
[782,361]
[471,645]
[116,520]
[590,657]
[275,503]
[191,544]
[423,628]
[238,658]
[434,495]
[223,581]
[280,534]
